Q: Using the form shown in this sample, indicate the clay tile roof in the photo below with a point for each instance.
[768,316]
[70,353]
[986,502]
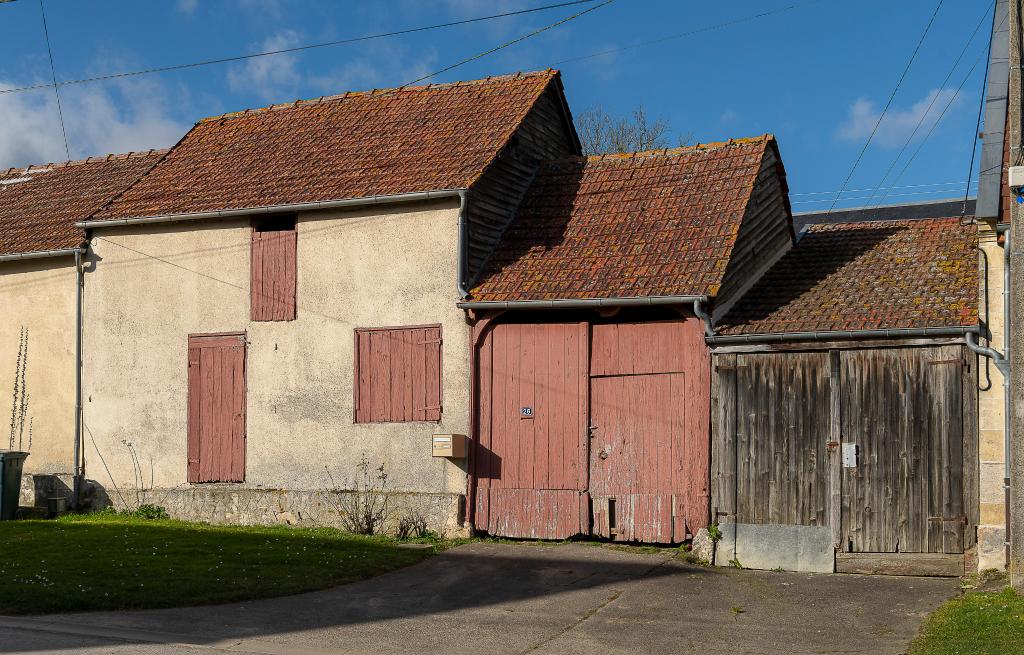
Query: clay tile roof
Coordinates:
[644,224]
[39,205]
[866,276]
[346,146]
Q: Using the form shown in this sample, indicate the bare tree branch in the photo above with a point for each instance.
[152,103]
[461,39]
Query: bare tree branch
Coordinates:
[601,133]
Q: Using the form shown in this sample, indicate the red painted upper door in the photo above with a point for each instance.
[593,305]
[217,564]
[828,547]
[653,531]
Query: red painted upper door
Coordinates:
[530,462]
[216,408]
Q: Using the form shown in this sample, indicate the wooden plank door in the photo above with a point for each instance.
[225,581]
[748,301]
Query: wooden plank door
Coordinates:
[902,409]
[216,408]
[638,440]
[530,459]
[771,459]
[649,440]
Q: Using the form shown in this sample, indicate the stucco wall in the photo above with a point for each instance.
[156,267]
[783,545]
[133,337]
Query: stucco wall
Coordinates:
[384,267]
[991,445]
[39,294]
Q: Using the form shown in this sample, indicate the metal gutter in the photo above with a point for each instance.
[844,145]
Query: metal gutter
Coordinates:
[40,254]
[891,333]
[418,196]
[584,303]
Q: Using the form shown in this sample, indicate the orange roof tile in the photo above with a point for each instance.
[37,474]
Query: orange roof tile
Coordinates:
[644,224]
[866,276]
[347,146]
[39,205]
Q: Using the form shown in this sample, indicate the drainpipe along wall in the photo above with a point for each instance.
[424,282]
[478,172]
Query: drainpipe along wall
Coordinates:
[78,469]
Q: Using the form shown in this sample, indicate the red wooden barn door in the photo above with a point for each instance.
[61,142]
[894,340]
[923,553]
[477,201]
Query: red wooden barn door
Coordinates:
[638,420]
[530,462]
[216,408]
[649,446]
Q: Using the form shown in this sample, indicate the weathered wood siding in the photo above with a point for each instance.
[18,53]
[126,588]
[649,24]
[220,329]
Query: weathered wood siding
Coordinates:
[493,199]
[780,419]
[216,408]
[531,466]
[770,457]
[903,409]
[765,230]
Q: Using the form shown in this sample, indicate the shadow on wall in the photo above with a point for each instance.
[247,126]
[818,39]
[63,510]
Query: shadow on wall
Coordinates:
[540,224]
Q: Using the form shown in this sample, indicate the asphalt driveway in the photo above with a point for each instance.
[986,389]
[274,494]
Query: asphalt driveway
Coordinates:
[500,598]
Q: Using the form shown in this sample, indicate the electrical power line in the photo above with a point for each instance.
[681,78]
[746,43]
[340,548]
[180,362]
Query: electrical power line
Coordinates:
[895,195]
[312,46]
[888,103]
[512,42]
[931,130]
[927,112]
[866,189]
[53,74]
[977,126]
[680,35]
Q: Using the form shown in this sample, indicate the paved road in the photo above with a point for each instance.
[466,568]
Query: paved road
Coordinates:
[498,598]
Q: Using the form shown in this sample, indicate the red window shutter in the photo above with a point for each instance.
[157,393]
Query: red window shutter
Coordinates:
[398,374]
[216,408]
[273,270]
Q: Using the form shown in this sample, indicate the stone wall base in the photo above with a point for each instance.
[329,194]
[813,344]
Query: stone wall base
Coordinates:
[443,513]
[38,488]
[991,547]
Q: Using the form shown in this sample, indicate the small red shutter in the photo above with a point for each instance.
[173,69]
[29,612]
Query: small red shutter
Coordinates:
[398,374]
[273,271]
[216,408]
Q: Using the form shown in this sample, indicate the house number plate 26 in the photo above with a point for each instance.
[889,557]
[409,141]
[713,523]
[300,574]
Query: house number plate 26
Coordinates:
[526,412]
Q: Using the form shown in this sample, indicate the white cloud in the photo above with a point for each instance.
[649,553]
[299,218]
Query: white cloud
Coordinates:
[187,6]
[100,119]
[272,78]
[898,124]
[728,117]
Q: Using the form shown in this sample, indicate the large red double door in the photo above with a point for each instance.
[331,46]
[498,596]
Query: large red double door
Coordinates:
[592,429]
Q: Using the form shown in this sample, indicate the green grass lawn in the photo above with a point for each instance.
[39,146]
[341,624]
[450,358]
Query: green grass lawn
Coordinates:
[978,623]
[108,561]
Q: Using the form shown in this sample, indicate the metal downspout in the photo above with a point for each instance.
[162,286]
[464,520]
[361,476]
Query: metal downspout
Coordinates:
[462,258]
[77,450]
[709,329]
[1006,393]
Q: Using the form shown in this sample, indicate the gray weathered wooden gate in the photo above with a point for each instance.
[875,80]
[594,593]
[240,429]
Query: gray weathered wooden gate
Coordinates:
[904,418]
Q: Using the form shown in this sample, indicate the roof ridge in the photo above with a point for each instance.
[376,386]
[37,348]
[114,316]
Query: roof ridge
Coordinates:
[883,221]
[31,168]
[670,152]
[548,73]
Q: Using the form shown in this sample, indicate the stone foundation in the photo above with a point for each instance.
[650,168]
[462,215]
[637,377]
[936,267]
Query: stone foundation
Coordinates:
[991,547]
[37,488]
[230,504]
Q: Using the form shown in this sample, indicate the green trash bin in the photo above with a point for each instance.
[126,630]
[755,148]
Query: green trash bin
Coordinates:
[11,462]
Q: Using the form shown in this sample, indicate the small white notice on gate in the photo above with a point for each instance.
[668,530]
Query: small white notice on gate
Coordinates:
[849,455]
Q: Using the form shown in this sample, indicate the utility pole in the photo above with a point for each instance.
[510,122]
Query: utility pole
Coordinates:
[1016,345]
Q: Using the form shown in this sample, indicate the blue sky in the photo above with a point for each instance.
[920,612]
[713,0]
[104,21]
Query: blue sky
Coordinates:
[816,76]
